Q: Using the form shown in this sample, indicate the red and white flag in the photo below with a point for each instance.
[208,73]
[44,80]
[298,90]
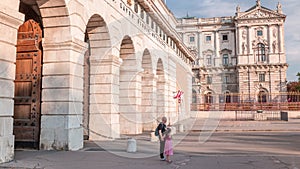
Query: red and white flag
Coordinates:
[178,95]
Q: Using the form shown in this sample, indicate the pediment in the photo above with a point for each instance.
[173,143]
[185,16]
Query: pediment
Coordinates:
[258,13]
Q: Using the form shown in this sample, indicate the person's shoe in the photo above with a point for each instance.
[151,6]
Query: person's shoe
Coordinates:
[169,161]
[163,159]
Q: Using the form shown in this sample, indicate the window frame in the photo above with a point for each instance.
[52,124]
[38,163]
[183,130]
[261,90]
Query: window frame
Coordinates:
[224,35]
[225,59]
[207,38]
[209,59]
[261,52]
[192,39]
[261,77]
[259,33]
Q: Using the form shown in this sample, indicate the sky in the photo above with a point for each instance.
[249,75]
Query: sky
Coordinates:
[219,8]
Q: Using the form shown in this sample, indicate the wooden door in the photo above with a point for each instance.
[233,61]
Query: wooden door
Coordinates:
[28,85]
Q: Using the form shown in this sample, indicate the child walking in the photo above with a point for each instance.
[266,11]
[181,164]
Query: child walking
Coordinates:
[168,145]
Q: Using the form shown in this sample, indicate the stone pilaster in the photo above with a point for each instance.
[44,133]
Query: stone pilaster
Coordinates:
[62,96]
[104,98]
[130,100]
[172,89]
[10,20]
[149,103]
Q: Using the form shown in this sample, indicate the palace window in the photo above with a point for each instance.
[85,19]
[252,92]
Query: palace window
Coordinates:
[208,38]
[261,77]
[208,60]
[262,96]
[227,97]
[209,98]
[136,8]
[142,14]
[226,79]
[259,33]
[225,59]
[261,52]
[192,39]
[147,19]
[225,37]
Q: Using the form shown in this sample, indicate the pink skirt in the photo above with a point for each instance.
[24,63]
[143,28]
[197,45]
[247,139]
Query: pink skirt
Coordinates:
[168,147]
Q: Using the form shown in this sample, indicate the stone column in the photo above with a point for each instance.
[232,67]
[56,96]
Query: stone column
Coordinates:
[10,20]
[62,95]
[104,98]
[188,94]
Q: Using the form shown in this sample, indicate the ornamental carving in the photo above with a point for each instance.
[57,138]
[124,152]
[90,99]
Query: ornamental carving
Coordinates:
[259,14]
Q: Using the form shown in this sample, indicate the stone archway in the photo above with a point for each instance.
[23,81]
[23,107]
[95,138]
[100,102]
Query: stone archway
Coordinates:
[97,38]
[130,90]
[262,96]
[28,78]
[100,109]
[148,97]
[27,99]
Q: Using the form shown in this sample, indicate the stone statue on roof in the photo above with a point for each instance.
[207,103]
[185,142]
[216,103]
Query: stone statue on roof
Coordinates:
[238,8]
[258,3]
[279,7]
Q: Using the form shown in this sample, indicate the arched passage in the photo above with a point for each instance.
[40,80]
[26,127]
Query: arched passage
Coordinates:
[130,90]
[27,107]
[98,102]
[262,96]
[148,99]
[28,78]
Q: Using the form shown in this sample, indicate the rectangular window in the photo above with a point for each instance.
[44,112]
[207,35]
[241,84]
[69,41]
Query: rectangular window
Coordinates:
[192,39]
[262,77]
[225,59]
[208,58]
[225,37]
[209,80]
[226,79]
[208,38]
[259,33]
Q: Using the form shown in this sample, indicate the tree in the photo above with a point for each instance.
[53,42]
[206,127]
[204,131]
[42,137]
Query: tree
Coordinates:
[298,74]
[293,87]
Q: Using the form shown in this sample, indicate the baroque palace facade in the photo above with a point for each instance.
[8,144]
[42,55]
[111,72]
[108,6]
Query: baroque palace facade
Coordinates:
[239,58]
[94,68]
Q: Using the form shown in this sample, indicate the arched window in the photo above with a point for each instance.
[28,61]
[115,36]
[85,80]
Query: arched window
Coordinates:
[194,99]
[227,97]
[262,96]
[261,52]
[209,98]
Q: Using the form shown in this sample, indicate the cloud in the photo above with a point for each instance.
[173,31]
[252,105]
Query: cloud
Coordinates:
[218,8]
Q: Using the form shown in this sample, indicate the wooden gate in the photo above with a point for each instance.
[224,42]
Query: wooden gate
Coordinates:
[28,85]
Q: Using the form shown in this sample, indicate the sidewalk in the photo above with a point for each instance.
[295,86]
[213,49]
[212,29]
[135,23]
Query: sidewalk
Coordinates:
[113,155]
[218,125]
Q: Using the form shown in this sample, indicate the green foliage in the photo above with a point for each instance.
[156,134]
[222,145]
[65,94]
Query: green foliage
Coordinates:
[298,74]
[293,87]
